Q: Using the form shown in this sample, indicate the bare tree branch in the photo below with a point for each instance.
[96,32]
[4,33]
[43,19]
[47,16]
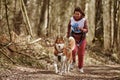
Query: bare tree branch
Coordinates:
[4,53]
[25,16]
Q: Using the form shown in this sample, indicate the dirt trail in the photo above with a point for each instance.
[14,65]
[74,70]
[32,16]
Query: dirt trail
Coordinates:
[108,72]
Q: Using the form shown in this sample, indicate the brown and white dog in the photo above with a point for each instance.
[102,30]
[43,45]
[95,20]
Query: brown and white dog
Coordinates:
[63,54]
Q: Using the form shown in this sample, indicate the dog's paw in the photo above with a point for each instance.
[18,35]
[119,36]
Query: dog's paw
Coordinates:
[65,71]
[60,73]
[56,71]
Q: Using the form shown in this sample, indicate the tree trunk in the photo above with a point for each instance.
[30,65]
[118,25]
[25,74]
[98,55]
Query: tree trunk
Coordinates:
[90,15]
[43,20]
[116,26]
[8,25]
[0,9]
[48,4]
[106,24]
[81,4]
[119,25]
[17,21]
[0,16]
[99,21]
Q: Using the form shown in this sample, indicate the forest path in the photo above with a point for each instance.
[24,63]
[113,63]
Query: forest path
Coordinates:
[106,72]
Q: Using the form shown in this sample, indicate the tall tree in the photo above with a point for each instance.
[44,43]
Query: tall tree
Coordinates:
[43,19]
[0,15]
[8,25]
[80,3]
[90,15]
[119,24]
[106,24]
[48,4]
[116,5]
[26,17]
[0,9]
[98,20]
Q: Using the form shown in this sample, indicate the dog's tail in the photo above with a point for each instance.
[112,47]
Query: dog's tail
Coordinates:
[71,43]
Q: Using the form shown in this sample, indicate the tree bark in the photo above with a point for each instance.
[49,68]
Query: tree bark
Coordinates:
[0,9]
[48,4]
[43,20]
[116,27]
[99,21]
[119,25]
[18,19]
[25,15]
[81,4]
[90,15]
[106,24]
[6,10]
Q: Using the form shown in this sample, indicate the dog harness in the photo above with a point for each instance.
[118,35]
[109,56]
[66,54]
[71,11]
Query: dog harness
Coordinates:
[60,54]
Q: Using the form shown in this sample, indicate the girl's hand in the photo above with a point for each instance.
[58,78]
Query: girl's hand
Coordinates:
[82,29]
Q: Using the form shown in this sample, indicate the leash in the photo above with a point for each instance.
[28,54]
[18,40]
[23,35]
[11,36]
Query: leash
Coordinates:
[83,34]
[81,39]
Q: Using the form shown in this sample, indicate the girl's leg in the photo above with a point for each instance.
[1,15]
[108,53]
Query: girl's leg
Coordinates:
[81,52]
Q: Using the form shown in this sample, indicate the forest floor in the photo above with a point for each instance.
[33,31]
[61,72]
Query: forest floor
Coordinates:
[96,72]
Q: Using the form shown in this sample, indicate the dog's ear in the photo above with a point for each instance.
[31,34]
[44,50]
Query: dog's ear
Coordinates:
[62,38]
[56,39]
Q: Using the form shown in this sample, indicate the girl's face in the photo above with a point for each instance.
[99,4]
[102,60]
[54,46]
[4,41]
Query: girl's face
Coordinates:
[77,15]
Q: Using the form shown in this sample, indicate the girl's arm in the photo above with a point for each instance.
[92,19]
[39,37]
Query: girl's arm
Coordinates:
[85,28]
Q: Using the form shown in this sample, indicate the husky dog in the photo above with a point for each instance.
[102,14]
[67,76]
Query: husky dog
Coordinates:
[63,54]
